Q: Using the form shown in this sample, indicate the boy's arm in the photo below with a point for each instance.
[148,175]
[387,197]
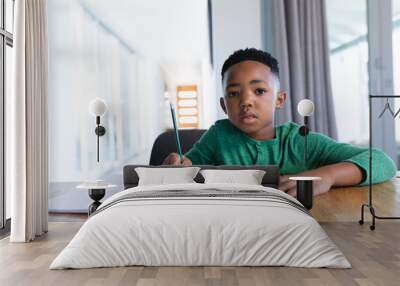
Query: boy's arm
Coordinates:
[203,151]
[326,151]
[340,164]
[339,174]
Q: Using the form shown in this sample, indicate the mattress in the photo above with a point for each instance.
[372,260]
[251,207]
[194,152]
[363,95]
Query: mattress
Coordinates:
[201,225]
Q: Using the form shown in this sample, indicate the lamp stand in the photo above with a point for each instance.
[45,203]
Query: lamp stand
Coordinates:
[304,188]
[304,130]
[100,131]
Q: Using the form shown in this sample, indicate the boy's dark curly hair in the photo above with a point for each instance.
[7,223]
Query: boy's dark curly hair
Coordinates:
[251,54]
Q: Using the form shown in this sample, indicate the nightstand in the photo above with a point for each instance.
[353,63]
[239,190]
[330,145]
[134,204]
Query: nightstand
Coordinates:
[96,191]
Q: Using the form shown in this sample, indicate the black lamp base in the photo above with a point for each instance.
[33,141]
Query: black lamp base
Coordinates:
[305,193]
[96,195]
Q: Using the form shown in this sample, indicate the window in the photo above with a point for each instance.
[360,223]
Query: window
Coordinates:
[396,45]
[187,102]
[6,43]
[396,60]
[361,34]
[348,44]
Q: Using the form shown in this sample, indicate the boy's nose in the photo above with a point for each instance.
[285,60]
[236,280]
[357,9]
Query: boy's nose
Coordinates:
[246,100]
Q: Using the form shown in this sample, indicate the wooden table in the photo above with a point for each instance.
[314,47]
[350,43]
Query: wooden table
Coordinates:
[339,204]
[344,204]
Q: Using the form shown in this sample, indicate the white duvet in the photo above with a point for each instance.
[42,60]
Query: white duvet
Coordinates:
[183,231]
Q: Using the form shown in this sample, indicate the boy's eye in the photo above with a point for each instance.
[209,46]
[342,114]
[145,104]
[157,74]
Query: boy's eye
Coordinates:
[232,93]
[260,91]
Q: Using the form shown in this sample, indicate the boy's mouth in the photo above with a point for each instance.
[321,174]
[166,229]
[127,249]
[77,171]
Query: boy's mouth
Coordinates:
[247,117]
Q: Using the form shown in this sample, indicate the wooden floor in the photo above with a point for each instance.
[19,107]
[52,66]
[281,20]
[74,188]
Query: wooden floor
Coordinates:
[374,255]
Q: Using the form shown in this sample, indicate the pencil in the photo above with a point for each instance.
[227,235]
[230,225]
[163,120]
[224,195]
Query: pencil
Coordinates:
[178,143]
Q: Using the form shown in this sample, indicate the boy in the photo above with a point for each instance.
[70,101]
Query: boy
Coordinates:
[250,80]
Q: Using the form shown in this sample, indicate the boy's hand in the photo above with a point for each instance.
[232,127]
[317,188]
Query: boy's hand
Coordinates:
[319,187]
[174,159]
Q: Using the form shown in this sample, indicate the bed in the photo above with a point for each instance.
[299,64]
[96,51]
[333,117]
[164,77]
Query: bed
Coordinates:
[198,224]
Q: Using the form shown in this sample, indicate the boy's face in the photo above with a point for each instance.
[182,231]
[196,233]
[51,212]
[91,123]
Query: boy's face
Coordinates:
[250,98]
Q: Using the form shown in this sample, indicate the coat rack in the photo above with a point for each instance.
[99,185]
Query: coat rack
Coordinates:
[370,204]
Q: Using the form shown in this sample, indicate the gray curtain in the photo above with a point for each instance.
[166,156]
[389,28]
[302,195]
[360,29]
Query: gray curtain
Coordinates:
[300,43]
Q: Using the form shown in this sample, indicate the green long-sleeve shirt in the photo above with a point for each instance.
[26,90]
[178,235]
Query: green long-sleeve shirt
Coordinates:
[224,144]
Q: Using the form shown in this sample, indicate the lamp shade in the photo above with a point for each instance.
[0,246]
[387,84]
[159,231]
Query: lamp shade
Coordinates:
[97,107]
[305,107]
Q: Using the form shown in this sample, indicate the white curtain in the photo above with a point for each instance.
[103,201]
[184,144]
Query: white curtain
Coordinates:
[27,121]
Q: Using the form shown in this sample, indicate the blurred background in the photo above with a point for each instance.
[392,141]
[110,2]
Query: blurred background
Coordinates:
[139,55]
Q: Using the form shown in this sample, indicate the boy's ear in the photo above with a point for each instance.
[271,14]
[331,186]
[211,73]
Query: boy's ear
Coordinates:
[222,103]
[280,99]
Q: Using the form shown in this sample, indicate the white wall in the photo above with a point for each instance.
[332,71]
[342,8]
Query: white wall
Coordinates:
[236,25]
[208,109]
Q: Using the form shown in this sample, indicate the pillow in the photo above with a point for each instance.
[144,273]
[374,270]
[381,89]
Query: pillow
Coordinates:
[249,177]
[163,176]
